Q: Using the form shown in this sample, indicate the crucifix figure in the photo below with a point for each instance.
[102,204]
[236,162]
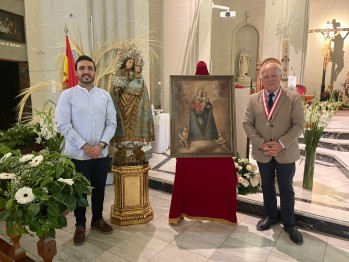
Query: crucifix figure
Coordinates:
[327,36]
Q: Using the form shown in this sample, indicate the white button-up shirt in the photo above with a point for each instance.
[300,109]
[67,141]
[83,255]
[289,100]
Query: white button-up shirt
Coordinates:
[84,116]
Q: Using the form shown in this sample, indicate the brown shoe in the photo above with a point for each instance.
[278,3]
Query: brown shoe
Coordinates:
[79,235]
[102,226]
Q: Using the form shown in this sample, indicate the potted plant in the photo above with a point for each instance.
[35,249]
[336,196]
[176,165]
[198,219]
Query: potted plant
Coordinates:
[20,136]
[37,189]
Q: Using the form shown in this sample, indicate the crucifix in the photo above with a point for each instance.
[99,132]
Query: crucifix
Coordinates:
[327,35]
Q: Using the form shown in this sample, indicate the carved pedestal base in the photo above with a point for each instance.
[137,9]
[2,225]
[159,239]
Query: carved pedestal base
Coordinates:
[47,248]
[131,204]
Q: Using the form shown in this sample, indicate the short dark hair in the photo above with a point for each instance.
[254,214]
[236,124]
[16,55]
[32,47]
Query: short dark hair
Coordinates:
[84,58]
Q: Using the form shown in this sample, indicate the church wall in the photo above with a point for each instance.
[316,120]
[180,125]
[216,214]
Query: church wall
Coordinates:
[286,21]
[185,40]
[90,21]
[223,50]
[191,31]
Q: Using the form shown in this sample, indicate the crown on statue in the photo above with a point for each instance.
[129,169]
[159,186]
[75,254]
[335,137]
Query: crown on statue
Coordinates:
[139,62]
[130,50]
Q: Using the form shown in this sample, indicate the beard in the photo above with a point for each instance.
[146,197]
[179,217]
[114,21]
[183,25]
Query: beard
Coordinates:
[86,79]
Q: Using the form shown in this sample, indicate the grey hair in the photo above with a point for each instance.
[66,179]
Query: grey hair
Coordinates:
[278,69]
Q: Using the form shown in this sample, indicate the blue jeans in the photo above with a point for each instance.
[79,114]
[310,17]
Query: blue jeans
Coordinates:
[96,171]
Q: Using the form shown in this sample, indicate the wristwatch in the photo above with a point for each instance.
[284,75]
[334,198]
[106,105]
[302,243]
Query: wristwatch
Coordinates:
[102,144]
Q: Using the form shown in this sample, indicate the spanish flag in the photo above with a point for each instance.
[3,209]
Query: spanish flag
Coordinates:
[69,76]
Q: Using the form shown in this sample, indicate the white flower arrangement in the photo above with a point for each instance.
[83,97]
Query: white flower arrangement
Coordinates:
[67,181]
[7,176]
[47,134]
[38,188]
[24,195]
[248,176]
[317,115]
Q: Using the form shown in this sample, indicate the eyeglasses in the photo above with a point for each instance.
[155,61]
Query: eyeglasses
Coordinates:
[266,77]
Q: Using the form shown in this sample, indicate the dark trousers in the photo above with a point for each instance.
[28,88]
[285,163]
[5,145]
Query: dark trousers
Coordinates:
[284,173]
[96,171]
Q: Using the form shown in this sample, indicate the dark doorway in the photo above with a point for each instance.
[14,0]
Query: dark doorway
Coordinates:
[10,85]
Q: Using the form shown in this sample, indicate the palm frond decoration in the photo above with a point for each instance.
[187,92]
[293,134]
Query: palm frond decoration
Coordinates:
[27,92]
[107,56]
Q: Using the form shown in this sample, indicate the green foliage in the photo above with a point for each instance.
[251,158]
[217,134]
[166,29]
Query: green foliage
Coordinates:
[37,189]
[40,131]
[19,136]
[318,114]
[47,134]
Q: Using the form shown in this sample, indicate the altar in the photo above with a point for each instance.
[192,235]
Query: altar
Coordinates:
[162,133]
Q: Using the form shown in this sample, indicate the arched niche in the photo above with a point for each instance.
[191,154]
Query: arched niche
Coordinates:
[246,37]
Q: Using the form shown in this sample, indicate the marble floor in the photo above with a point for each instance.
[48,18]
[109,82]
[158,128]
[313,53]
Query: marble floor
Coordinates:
[211,241]
[190,241]
[204,240]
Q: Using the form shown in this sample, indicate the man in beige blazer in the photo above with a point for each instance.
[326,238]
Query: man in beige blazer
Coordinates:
[274,119]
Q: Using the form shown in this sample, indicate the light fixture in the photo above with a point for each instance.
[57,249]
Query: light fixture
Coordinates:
[227,13]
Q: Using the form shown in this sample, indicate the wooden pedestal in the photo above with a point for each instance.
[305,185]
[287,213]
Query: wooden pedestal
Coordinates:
[131,204]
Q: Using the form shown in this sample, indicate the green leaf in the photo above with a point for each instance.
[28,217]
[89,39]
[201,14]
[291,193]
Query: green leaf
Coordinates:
[79,189]
[82,202]
[33,225]
[53,222]
[33,209]
[4,215]
[38,191]
[51,233]
[63,221]
[53,210]
[46,182]
[9,204]
[59,197]
[17,214]
[70,202]
[2,202]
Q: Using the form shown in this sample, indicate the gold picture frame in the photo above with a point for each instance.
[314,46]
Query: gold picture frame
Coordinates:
[202,116]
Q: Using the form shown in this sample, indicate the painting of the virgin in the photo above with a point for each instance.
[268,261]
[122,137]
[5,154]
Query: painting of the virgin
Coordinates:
[202,116]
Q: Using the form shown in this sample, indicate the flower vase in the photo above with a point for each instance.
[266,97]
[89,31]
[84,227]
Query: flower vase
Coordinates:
[308,175]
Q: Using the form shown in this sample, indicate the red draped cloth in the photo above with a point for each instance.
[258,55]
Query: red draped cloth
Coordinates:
[205,189]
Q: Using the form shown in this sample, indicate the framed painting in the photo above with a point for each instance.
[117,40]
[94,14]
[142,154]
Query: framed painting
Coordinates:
[202,116]
[11,27]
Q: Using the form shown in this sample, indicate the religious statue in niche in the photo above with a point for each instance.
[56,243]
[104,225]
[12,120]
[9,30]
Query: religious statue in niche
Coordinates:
[135,127]
[244,63]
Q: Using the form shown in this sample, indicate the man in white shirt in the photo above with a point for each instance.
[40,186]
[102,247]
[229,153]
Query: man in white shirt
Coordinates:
[86,117]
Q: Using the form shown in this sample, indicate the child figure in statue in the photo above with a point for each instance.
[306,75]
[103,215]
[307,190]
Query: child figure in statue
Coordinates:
[134,115]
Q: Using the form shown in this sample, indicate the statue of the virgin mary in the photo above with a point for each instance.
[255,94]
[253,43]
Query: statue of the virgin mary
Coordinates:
[135,127]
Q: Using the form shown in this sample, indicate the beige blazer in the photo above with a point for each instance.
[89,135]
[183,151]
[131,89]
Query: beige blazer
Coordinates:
[286,125]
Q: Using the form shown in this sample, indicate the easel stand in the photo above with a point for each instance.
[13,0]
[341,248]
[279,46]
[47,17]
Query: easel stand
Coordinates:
[131,204]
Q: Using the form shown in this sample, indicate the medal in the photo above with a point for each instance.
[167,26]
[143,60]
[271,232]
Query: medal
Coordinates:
[267,123]
[269,112]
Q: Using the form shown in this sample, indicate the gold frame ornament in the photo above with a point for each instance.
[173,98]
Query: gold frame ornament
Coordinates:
[203,116]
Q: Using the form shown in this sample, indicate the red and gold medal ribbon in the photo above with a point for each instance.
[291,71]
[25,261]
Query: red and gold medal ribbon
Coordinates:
[269,112]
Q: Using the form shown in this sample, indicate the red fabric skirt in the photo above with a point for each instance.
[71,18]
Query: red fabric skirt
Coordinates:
[205,189]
